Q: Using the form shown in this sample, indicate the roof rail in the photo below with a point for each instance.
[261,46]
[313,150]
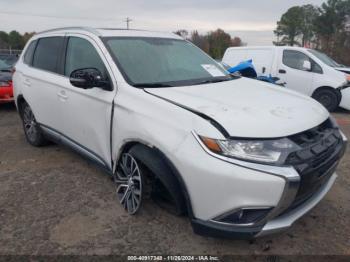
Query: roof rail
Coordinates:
[121,29]
[89,29]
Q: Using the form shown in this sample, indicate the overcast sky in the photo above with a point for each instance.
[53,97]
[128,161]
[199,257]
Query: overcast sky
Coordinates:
[252,20]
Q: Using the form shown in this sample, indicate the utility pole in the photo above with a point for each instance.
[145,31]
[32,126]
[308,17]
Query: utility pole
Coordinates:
[128,20]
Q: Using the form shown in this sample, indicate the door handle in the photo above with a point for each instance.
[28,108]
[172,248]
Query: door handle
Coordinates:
[26,82]
[282,71]
[62,95]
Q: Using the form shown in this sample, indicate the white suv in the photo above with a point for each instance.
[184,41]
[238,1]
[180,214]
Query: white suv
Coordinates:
[241,158]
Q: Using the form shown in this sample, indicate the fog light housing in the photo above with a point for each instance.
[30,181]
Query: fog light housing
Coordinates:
[244,216]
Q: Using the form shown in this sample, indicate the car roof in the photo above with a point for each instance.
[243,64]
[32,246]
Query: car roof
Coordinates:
[268,47]
[112,32]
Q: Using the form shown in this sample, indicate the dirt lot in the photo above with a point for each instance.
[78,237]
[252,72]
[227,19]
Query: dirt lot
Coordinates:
[52,201]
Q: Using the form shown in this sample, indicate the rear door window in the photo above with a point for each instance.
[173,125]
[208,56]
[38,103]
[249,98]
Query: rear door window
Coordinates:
[28,56]
[47,53]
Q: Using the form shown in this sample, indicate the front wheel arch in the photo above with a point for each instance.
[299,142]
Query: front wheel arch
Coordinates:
[162,168]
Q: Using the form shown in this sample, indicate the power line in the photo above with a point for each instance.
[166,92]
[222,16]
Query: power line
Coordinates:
[128,20]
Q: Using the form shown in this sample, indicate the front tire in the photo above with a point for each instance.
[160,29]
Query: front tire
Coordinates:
[129,183]
[32,130]
[328,98]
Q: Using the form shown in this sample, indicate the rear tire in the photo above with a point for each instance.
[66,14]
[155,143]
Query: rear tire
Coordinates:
[32,130]
[328,98]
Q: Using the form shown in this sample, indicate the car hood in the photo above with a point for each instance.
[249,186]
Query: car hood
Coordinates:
[249,108]
[343,69]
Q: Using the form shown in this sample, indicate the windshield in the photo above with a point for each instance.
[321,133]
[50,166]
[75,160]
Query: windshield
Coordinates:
[324,58]
[7,61]
[163,62]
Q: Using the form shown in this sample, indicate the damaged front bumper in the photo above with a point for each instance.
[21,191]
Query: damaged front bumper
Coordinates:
[276,225]
[304,189]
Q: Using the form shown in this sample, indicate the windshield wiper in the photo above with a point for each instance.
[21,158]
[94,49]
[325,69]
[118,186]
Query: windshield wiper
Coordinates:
[215,80]
[152,85]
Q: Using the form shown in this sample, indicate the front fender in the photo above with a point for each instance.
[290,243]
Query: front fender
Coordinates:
[345,100]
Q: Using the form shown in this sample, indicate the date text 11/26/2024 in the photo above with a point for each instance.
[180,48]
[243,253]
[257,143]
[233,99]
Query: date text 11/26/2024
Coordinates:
[173,258]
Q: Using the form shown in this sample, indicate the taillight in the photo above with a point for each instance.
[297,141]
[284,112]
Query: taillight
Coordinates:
[4,84]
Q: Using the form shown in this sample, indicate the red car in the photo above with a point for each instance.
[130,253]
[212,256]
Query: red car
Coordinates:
[6,89]
[6,92]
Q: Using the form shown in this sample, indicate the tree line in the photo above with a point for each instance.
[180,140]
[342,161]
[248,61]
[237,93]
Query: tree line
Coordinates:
[213,43]
[14,40]
[325,27]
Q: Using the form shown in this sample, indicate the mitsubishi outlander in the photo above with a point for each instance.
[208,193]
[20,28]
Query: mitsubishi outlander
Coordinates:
[241,158]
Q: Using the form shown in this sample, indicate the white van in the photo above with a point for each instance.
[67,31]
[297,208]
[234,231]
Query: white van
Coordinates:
[301,69]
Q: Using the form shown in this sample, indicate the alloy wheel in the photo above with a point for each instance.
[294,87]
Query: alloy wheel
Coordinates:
[30,125]
[128,181]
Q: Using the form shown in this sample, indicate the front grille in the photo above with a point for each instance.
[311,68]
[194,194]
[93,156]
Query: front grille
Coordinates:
[319,154]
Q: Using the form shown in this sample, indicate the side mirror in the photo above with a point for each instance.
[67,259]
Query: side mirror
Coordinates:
[307,65]
[88,78]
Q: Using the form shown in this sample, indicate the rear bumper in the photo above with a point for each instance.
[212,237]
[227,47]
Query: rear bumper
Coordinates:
[6,94]
[6,100]
[278,224]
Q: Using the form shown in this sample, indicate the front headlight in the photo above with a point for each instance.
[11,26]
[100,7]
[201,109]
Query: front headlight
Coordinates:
[273,151]
[347,77]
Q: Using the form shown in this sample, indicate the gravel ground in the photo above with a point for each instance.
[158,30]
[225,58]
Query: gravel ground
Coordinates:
[52,201]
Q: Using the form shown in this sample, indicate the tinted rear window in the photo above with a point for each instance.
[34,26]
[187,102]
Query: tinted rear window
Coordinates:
[28,56]
[47,53]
